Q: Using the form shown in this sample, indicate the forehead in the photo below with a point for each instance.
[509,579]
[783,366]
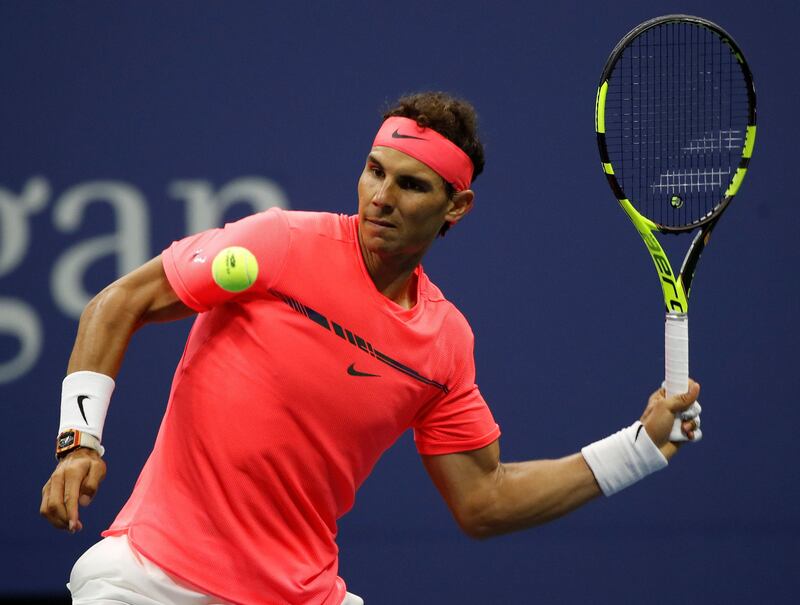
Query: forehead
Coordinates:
[398,162]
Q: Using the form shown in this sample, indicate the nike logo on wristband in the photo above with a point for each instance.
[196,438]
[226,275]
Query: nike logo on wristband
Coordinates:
[351,369]
[397,135]
[639,430]
[80,406]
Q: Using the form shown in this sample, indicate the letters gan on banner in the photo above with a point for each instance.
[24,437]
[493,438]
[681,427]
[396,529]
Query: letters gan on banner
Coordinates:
[129,243]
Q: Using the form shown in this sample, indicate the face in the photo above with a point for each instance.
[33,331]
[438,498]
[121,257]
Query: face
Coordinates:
[402,204]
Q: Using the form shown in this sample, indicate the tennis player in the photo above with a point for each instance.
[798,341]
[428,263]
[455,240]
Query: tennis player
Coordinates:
[288,393]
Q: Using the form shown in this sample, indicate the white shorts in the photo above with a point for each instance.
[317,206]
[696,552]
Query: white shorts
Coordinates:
[112,572]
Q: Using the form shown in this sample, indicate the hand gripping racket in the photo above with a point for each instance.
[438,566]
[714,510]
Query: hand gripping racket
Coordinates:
[676,123]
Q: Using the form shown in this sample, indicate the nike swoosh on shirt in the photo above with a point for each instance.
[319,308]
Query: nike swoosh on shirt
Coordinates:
[639,430]
[363,345]
[351,369]
[80,406]
[397,135]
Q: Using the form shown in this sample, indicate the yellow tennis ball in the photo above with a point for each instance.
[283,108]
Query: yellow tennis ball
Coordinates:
[235,269]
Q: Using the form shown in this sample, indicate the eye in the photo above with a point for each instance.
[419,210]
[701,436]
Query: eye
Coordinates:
[413,185]
[376,171]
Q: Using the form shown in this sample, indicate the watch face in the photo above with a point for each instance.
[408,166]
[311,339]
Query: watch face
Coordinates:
[66,439]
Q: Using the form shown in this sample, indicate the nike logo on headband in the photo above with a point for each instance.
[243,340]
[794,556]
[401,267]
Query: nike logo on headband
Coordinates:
[397,135]
[80,406]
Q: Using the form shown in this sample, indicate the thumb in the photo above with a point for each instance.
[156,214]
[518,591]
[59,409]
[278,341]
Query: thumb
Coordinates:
[678,403]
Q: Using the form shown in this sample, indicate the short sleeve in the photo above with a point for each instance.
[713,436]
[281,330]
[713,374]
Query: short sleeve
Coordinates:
[187,262]
[460,420]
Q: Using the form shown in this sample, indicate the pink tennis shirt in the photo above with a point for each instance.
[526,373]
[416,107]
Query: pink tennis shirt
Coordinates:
[285,397]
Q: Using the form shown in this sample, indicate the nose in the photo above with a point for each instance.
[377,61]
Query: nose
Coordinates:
[384,196]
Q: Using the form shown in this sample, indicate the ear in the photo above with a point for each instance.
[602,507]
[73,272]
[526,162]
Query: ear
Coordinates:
[461,204]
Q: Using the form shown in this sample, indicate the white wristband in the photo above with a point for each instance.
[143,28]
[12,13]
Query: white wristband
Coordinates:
[84,402]
[623,458]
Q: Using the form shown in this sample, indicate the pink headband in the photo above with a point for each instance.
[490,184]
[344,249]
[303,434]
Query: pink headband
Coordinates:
[429,147]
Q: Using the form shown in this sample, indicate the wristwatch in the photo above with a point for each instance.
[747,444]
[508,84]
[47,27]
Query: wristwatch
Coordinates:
[72,439]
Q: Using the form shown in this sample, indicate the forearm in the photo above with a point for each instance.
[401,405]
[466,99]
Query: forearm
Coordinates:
[104,331]
[525,494]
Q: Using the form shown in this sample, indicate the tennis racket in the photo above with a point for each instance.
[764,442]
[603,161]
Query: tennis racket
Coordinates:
[676,123]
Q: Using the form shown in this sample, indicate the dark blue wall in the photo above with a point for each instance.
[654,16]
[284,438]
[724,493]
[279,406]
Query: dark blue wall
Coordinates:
[137,118]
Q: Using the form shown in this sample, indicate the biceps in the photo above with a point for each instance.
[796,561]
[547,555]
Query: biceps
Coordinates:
[150,295]
[465,477]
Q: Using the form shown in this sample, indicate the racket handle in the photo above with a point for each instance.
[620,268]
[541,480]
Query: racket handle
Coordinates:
[676,362]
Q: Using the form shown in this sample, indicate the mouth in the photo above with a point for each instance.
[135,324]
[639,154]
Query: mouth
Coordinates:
[381,223]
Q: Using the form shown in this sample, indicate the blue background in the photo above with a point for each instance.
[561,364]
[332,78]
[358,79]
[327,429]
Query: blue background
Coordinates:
[556,284]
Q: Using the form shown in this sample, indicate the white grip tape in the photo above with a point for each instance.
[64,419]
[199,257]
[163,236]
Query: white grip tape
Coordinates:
[676,362]
[84,402]
[676,353]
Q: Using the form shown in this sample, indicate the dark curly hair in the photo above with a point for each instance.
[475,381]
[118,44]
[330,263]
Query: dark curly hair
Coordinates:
[451,117]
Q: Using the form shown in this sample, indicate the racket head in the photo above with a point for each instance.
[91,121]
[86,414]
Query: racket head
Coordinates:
[676,121]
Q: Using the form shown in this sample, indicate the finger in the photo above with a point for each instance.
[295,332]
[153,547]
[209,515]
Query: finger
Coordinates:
[91,484]
[692,411]
[43,503]
[55,511]
[72,491]
[691,428]
[679,403]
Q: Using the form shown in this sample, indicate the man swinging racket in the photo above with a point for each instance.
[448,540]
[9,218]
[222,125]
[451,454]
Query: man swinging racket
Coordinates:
[319,340]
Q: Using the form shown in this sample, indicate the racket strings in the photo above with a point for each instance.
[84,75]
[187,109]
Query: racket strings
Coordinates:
[676,116]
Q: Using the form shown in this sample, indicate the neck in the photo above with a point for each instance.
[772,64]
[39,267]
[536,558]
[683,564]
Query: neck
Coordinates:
[393,276]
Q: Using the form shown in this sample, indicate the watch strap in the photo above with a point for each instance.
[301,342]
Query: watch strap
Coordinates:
[72,439]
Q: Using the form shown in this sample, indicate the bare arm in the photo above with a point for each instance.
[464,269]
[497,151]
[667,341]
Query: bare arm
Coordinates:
[110,319]
[488,497]
[106,326]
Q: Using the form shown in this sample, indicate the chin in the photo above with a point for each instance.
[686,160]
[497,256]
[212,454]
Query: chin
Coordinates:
[378,245]
[373,239]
